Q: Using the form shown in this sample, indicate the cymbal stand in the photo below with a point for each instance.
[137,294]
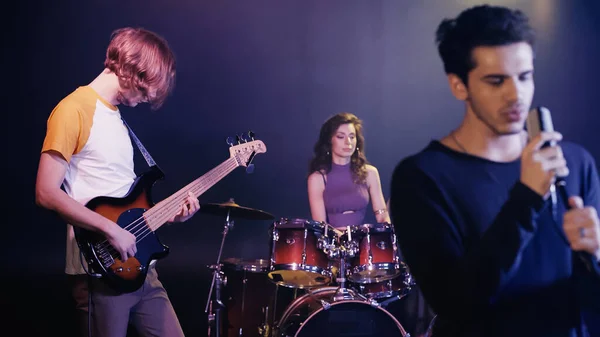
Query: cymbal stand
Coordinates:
[218,281]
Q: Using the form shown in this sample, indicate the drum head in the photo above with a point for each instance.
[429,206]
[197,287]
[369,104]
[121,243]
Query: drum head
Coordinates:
[295,223]
[351,318]
[315,314]
[372,228]
[299,278]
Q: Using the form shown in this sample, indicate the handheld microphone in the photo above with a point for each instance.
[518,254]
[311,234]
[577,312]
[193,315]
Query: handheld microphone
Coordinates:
[539,120]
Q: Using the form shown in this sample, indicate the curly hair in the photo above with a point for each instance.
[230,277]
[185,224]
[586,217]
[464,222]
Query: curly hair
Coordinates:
[143,61]
[321,160]
[482,25]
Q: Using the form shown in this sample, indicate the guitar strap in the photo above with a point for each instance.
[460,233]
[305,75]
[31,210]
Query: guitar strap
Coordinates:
[140,146]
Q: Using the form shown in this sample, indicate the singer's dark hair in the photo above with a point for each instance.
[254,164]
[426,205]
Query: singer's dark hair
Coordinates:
[482,25]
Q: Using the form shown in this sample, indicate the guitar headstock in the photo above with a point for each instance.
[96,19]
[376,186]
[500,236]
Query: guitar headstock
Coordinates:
[244,148]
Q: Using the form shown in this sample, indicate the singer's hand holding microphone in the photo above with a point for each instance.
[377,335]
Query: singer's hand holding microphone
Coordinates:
[540,166]
[543,165]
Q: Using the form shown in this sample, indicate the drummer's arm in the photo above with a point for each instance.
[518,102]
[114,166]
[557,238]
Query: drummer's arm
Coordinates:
[377,200]
[316,186]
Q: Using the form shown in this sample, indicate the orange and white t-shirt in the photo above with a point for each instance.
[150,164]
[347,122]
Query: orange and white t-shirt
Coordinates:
[89,133]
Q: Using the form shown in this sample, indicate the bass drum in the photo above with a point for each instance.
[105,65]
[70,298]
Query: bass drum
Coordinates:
[315,314]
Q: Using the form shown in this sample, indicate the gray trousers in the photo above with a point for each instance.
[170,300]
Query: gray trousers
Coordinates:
[148,309]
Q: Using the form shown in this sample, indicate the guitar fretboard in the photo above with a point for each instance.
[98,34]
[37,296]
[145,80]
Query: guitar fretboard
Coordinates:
[167,208]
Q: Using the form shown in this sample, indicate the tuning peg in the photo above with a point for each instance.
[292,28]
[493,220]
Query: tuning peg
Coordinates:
[238,139]
[230,141]
[251,135]
[245,137]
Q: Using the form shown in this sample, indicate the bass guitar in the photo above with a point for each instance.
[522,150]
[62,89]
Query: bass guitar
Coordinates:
[136,213]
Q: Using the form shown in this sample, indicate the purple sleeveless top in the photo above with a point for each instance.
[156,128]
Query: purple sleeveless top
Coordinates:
[341,195]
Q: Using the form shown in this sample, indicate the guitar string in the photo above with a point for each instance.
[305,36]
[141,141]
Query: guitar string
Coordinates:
[170,207]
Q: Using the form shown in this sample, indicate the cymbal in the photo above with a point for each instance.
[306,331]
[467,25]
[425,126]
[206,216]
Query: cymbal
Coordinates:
[235,211]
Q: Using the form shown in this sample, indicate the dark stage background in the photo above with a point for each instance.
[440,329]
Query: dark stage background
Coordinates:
[279,68]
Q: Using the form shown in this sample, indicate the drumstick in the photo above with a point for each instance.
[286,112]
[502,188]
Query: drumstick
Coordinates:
[337,231]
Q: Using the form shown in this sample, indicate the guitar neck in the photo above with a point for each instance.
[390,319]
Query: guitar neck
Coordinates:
[160,213]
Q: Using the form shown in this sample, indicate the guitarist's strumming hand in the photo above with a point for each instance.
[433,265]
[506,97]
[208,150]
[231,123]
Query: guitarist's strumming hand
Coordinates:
[123,241]
[190,206]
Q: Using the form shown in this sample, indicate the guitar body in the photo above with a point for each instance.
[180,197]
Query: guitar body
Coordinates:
[127,212]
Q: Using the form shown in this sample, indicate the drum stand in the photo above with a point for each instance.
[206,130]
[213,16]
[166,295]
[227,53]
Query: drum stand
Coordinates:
[218,281]
[342,293]
[344,250]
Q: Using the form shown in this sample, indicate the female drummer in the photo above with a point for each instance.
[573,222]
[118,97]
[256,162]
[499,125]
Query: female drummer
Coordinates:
[341,182]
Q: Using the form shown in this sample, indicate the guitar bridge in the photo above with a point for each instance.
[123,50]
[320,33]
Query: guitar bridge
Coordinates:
[104,256]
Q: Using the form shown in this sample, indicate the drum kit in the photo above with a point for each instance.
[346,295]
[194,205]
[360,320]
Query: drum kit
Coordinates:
[317,281]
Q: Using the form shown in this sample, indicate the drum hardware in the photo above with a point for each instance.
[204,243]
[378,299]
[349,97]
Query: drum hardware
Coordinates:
[342,250]
[334,247]
[215,305]
[265,330]
[342,292]
[218,280]
[385,303]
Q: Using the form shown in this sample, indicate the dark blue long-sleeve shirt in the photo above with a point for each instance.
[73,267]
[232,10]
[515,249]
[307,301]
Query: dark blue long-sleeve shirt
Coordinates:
[485,249]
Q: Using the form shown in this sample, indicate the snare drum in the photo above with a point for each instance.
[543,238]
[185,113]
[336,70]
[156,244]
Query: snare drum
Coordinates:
[315,314]
[296,260]
[378,259]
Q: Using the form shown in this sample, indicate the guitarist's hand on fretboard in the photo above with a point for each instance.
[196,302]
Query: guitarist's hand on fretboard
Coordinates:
[123,242]
[190,206]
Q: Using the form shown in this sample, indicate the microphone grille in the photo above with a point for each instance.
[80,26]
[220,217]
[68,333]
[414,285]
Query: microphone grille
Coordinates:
[539,120]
